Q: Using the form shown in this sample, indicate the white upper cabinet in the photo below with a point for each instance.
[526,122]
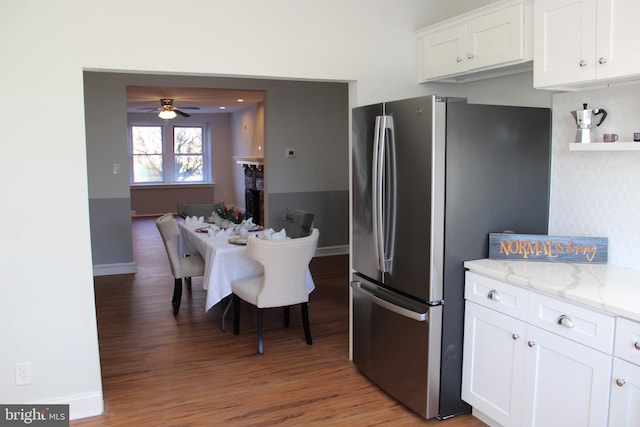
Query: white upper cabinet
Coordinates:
[476,45]
[496,38]
[580,43]
[443,53]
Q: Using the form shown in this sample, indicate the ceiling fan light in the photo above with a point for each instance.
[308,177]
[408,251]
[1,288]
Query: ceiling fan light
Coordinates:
[167,114]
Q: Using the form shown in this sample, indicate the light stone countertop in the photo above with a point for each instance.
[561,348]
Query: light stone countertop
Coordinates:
[610,288]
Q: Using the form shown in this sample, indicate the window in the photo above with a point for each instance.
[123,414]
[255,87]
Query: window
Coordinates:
[187,152]
[180,156]
[146,148]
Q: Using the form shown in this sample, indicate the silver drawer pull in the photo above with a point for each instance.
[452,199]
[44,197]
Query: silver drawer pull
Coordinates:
[637,345]
[565,321]
[531,344]
[620,382]
[583,63]
[515,336]
[493,295]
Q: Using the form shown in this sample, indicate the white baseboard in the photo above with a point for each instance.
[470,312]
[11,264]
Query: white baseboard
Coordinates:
[332,250]
[82,406]
[112,269]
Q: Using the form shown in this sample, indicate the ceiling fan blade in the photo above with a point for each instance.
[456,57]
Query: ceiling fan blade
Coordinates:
[189,108]
[146,109]
[181,113]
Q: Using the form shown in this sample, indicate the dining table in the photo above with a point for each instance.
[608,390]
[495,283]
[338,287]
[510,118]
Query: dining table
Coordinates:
[224,261]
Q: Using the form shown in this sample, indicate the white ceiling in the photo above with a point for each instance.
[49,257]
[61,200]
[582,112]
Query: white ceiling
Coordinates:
[208,100]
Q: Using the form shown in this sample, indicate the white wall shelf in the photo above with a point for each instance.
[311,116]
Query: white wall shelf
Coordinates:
[605,146]
[249,160]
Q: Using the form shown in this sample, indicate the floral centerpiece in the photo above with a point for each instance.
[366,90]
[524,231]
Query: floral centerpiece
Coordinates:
[230,214]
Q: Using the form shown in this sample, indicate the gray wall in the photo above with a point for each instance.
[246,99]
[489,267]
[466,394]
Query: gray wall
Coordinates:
[109,199]
[312,117]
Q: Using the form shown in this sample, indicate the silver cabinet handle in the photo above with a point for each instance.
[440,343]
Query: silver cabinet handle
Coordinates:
[565,321]
[458,59]
[493,295]
[531,344]
[583,63]
[470,56]
[636,345]
[620,382]
[515,336]
[602,60]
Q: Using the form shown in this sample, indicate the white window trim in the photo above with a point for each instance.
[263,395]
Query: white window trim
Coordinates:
[167,152]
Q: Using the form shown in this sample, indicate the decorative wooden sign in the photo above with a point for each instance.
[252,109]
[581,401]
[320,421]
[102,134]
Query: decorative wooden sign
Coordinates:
[532,247]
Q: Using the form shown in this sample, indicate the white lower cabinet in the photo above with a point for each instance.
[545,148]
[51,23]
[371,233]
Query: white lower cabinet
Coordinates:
[565,383]
[520,371]
[625,385]
[493,364]
[625,395]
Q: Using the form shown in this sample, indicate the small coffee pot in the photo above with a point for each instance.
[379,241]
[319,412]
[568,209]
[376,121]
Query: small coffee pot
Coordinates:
[585,119]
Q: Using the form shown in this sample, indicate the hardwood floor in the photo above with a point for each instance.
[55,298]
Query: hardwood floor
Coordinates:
[161,370]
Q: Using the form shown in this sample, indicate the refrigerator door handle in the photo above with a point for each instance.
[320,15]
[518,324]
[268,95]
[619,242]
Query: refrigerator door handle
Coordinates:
[384,191]
[420,316]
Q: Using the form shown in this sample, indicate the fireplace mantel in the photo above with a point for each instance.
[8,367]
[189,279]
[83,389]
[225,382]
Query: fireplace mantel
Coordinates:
[249,160]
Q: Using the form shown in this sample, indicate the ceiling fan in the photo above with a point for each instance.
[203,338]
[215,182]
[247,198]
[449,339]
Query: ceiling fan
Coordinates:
[168,111]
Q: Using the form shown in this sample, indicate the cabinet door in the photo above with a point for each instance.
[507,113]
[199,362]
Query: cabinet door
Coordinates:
[625,395]
[564,42]
[565,383]
[443,52]
[496,38]
[618,38]
[492,366]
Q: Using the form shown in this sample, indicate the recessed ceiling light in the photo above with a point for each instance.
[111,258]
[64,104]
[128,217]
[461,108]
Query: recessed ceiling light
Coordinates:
[223,108]
[240,100]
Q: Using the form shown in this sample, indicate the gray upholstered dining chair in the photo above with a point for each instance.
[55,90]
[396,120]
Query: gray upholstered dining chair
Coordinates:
[205,210]
[283,282]
[297,223]
[181,267]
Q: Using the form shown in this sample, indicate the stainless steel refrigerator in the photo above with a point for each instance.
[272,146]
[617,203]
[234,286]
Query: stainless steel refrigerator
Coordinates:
[432,177]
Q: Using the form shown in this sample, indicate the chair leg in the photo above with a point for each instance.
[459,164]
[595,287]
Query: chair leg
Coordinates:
[188,279]
[236,314]
[224,314]
[305,322]
[177,295]
[260,347]
[287,317]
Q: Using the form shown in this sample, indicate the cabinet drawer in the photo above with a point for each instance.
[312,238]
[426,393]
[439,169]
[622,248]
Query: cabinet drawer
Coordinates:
[579,324]
[628,340]
[497,295]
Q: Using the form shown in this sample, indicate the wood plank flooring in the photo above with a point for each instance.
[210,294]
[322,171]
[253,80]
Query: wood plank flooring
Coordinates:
[161,370]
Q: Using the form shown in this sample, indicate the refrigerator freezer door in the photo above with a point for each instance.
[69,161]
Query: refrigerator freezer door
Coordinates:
[396,343]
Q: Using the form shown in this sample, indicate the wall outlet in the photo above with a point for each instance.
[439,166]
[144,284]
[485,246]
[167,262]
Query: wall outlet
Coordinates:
[23,373]
[289,152]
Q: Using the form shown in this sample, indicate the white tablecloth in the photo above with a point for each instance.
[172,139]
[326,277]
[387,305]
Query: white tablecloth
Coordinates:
[223,261]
